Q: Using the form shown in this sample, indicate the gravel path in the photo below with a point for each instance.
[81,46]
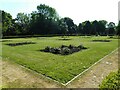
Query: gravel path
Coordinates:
[93,77]
[15,76]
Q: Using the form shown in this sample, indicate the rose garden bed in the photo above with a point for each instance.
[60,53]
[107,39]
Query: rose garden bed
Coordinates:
[101,40]
[63,49]
[20,43]
[5,40]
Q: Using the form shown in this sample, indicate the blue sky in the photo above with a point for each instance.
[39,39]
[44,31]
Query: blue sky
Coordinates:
[78,10]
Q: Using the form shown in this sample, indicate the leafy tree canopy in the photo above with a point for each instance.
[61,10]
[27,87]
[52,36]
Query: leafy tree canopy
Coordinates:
[47,11]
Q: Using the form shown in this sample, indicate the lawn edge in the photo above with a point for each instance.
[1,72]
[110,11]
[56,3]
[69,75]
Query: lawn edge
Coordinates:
[65,84]
[90,67]
[75,76]
[48,79]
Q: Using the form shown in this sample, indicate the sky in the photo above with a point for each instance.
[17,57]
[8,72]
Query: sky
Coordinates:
[78,10]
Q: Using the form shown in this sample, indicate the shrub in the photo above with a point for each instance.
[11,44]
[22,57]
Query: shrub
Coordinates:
[62,46]
[70,46]
[52,50]
[65,51]
[111,82]
[47,49]
[75,49]
[80,46]
[56,50]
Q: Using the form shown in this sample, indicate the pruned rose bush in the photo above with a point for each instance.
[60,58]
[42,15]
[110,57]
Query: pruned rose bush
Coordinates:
[63,49]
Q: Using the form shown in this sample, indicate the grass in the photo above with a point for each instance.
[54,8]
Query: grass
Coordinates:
[58,67]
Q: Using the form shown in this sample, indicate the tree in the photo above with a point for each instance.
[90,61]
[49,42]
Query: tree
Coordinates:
[48,12]
[118,29]
[87,26]
[80,28]
[0,24]
[70,24]
[75,29]
[44,21]
[63,26]
[23,23]
[102,27]
[38,24]
[6,23]
[95,28]
[111,28]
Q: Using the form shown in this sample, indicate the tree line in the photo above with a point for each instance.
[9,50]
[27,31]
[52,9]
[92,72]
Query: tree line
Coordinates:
[46,21]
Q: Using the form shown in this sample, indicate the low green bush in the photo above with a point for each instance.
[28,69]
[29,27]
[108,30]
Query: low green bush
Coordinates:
[71,46]
[56,50]
[63,49]
[62,46]
[47,49]
[111,82]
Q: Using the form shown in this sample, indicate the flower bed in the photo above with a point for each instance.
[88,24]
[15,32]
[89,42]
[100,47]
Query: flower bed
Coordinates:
[20,43]
[101,40]
[63,49]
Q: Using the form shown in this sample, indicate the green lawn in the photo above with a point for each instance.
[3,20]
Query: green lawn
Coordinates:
[58,67]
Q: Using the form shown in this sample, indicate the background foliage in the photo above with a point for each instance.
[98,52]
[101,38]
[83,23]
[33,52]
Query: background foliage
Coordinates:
[46,21]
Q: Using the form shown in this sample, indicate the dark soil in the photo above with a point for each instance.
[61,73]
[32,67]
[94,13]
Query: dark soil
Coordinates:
[5,40]
[65,39]
[20,43]
[101,40]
